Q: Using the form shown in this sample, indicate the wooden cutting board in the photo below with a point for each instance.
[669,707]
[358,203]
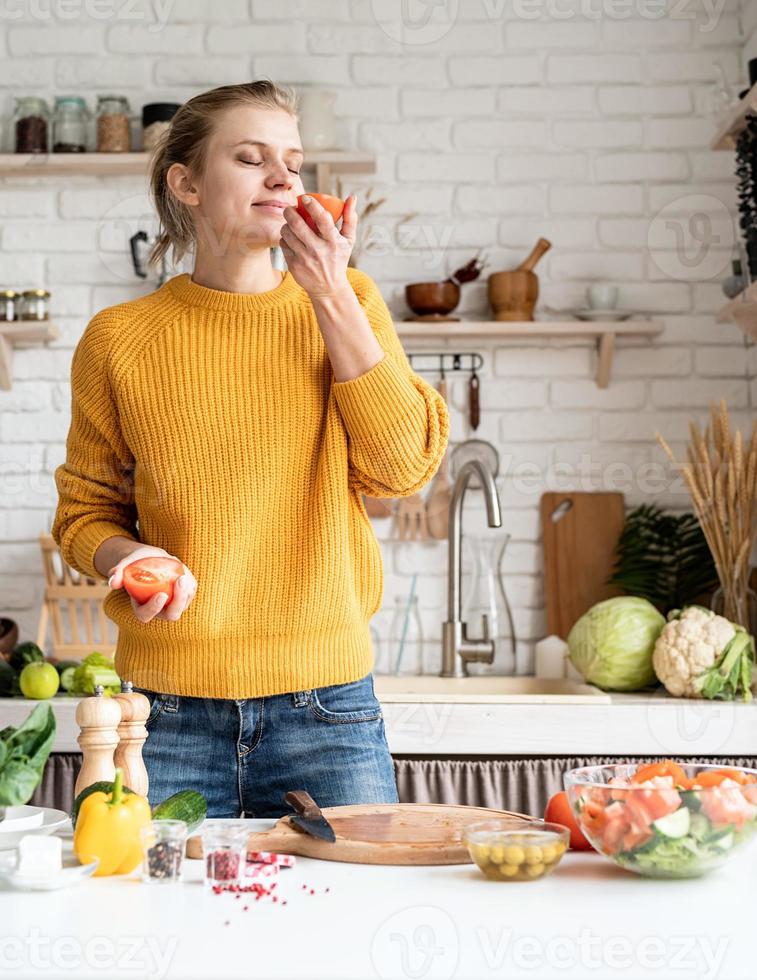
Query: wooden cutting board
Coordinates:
[580,532]
[378,833]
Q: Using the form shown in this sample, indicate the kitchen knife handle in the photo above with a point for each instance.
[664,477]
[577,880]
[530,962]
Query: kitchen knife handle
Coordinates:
[303,803]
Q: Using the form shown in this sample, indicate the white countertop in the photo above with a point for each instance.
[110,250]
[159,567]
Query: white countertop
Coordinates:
[587,920]
[627,724]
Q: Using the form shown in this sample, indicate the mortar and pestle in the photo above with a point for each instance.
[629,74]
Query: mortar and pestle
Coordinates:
[513,294]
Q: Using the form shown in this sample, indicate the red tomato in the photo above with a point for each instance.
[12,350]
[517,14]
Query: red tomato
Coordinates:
[146,576]
[714,777]
[334,206]
[559,811]
[665,768]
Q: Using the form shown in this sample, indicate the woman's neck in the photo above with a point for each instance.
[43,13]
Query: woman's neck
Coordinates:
[253,274]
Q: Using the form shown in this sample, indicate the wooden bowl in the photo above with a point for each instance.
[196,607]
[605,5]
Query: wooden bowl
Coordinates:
[428,298]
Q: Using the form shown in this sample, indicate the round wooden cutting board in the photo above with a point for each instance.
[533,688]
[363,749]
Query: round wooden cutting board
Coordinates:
[379,833]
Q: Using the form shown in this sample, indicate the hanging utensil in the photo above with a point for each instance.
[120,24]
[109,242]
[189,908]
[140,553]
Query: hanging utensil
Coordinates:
[411,519]
[378,506]
[440,497]
[474,402]
[478,449]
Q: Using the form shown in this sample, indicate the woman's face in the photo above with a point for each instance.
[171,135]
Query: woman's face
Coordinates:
[254,155]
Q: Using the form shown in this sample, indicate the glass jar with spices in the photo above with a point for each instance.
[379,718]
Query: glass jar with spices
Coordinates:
[35,304]
[112,124]
[156,120]
[8,305]
[224,849]
[163,843]
[30,121]
[70,124]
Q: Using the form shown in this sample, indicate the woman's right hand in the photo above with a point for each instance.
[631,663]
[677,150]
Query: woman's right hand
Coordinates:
[155,608]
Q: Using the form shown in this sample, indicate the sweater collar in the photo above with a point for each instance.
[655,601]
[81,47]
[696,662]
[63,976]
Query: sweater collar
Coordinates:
[192,294]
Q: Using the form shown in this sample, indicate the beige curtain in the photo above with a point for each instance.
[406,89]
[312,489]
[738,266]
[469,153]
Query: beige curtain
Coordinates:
[523,785]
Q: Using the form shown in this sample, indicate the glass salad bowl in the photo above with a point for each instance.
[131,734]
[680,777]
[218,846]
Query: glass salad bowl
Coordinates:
[665,819]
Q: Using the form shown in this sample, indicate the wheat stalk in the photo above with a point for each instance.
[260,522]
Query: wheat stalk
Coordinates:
[721,475]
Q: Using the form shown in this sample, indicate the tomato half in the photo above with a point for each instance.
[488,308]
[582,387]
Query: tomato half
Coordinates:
[714,777]
[559,811]
[146,576]
[334,206]
[665,768]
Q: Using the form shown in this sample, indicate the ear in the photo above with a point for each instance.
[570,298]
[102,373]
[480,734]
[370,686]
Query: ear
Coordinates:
[180,183]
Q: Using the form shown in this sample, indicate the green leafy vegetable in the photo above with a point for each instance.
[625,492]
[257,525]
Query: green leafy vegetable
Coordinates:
[93,670]
[663,558]
[25,653]
[730,676]
[611,645]
[23,754]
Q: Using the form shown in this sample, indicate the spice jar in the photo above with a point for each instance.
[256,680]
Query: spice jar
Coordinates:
[112,124]
[8,305]
[224,849]
[70,125]
[163,843]
[156,120]
[30,118]
[35,305]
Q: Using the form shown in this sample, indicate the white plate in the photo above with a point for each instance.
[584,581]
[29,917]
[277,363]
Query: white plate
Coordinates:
[52,820]
[609,315]
[72,872]
[20,818]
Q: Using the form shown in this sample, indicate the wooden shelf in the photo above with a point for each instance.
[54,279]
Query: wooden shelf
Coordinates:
[20,333]
[603,333]
[729,132]
[324,162]
[742,311]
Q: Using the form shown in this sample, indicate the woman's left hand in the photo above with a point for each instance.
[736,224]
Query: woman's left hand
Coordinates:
[318,260]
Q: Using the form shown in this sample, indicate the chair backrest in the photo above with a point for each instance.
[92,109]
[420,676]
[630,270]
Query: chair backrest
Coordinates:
[73,609]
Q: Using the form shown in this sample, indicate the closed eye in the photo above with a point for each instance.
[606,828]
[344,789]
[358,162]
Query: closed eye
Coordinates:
[259,163]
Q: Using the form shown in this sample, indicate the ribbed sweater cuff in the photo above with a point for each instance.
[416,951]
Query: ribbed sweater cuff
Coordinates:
[88,539]
[382,400]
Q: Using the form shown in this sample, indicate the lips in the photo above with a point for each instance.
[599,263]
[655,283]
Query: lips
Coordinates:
[276,205]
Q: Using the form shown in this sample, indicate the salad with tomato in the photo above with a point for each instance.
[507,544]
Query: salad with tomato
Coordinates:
[665,819]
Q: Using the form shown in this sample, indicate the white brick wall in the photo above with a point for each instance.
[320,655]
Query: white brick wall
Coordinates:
[496,128]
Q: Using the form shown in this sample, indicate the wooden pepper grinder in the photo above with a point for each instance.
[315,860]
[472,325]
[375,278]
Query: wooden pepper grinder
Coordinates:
[132,733]
[98,719]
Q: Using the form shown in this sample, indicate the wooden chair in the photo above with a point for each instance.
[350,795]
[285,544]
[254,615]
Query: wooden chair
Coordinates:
[73,607]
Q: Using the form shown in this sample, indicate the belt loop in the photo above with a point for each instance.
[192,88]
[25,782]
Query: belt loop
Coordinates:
[301,698]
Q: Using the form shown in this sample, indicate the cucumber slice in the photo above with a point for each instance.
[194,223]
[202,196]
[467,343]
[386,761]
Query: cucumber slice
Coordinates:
[721,841]
[674,825]
[700,826]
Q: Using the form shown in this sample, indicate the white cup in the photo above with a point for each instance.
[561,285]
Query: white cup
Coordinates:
[602,296]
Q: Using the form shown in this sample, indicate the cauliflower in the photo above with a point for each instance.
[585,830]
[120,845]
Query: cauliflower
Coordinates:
[701,654]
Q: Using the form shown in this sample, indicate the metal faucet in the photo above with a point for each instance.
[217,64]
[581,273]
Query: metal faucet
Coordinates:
[458,649]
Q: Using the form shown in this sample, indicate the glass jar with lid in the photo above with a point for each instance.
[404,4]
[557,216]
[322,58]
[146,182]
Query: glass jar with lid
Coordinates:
[35,304]
[30,122]
[8,305]
[112,124]
[70,119]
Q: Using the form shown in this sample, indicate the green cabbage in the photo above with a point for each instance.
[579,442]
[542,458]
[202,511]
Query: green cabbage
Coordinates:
[611,645]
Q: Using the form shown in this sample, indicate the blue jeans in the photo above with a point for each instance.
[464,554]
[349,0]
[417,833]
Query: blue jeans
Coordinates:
[245,755]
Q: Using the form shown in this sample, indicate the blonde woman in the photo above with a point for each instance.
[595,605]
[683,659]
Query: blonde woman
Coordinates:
[232,419]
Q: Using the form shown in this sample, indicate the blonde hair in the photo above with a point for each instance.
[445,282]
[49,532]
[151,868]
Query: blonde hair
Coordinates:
[186,141]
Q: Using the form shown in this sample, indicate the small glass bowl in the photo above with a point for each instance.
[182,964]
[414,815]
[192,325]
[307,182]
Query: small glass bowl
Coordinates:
[163,844]
[516,850]
[224,851]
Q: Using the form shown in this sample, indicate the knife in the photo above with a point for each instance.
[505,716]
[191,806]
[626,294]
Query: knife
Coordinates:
[309,817]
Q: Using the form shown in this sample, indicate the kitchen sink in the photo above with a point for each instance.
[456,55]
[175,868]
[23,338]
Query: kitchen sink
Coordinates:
[484,689]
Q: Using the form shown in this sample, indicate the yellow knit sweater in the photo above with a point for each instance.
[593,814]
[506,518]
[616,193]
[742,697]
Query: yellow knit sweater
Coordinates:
[208,423]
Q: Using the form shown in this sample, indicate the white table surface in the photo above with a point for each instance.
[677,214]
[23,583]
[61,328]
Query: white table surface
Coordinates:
[587,920]
[630,724]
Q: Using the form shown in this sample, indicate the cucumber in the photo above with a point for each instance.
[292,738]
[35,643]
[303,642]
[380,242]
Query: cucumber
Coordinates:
[700,826]
[674,825]
[721,840]
[104,786]
[187,805]
[67,678]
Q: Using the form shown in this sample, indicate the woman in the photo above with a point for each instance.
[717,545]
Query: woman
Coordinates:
[232,419]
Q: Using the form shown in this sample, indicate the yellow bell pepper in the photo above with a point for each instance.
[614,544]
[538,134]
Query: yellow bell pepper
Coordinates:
[108,828]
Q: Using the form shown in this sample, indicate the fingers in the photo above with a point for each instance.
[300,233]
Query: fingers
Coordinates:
[148,610]
[349,218]
[322,220]
[184,591]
